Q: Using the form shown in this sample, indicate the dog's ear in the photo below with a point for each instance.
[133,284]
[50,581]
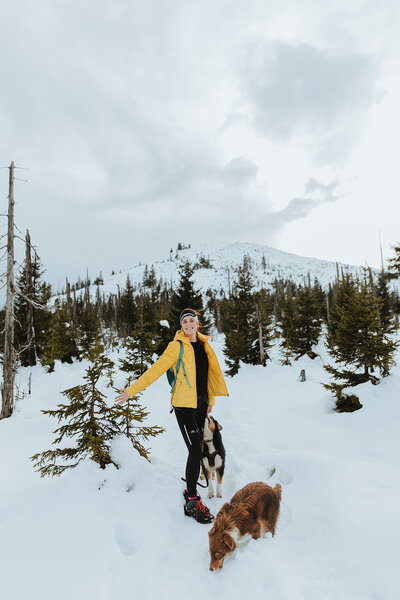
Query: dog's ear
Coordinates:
[217,424]
[229,543]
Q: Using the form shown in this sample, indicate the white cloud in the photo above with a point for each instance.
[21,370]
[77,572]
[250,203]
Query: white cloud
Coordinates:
[299,89]
[133,116]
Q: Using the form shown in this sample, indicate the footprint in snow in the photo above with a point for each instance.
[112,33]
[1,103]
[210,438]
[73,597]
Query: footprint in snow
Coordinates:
[124,542]
[284,477]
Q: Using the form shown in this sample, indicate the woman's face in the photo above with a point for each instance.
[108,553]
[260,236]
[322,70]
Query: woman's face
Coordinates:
[189,326]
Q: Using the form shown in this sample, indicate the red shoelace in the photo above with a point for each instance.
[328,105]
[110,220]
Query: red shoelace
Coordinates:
[200,506]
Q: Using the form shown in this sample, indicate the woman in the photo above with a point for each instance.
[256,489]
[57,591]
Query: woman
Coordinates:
[198,381]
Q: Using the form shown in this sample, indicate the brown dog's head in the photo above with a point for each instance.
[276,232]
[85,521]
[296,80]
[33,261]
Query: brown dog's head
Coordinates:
[221,544]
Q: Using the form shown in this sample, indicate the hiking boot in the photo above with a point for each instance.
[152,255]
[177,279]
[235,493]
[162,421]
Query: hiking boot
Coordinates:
[196,509]
[186,497]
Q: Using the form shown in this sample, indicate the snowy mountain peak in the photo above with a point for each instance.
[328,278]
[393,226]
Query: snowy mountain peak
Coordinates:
[216,265]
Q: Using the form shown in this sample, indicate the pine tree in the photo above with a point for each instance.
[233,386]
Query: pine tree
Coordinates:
[186,297]
[394,263]
[307,322]
[149,278]
[342,294]
[89,325]
[240,339]
[359,339]
[286,315]
[140,345]
[321,298]
[263,323]
[33,319]
[90,423]
[264,263]
[61,344]
[383,292]
[126,311]
[124,418]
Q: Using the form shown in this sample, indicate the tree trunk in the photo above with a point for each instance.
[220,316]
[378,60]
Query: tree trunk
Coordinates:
[260,338]
[9,365]
[69,301]
[99,305]
[218,307]
[327,307]
[74,314]
[87,294]
[31,338]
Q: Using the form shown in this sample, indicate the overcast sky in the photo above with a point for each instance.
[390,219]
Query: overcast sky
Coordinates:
[148,123]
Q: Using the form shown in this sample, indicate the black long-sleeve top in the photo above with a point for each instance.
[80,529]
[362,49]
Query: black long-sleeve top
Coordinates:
[201,360]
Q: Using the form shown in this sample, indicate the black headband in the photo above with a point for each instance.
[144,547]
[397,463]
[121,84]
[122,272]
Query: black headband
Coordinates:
[187,313]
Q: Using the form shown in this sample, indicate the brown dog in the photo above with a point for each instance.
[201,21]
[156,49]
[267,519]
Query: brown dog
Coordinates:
[253,510]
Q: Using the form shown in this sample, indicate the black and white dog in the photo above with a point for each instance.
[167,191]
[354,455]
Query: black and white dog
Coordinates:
[213,458]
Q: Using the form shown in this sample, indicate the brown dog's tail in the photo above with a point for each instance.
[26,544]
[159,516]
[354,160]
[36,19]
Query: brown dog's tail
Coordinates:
[278,490]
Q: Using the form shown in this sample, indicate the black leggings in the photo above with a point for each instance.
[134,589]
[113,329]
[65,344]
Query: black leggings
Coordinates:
[191,424]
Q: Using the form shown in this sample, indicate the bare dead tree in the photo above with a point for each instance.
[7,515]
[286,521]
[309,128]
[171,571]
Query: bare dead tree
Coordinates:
[87,294]
[69,301]
[260,337]
[74,311]
[218,307]
[99,304]
[9,362]
[31,337]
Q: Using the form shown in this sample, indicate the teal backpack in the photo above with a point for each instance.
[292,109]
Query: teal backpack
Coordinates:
[171,375]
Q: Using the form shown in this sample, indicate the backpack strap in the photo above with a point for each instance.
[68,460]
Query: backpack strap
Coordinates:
[178,364]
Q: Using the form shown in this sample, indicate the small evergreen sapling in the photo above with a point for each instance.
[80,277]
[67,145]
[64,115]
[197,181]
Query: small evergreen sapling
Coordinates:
[90,423]
[124,417]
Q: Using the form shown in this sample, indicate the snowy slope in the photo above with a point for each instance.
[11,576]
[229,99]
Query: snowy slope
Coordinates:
[225,258]
[122,535]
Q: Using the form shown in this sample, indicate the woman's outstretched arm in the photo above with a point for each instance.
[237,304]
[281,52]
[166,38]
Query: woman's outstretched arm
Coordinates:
[167,359]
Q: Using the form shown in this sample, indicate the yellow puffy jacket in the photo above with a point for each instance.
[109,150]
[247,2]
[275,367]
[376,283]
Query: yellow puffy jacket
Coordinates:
[183,394]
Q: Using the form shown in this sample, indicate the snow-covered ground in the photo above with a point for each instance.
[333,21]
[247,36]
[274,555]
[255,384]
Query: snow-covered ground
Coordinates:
[122,535]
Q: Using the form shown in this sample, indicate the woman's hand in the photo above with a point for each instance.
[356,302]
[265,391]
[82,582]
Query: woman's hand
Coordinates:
[123,397]
[209,409]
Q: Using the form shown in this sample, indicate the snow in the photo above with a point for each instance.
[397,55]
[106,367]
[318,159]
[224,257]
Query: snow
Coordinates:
[266,264]
[121,535]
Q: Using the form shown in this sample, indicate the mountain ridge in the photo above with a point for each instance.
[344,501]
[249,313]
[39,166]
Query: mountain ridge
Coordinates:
[216,265]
